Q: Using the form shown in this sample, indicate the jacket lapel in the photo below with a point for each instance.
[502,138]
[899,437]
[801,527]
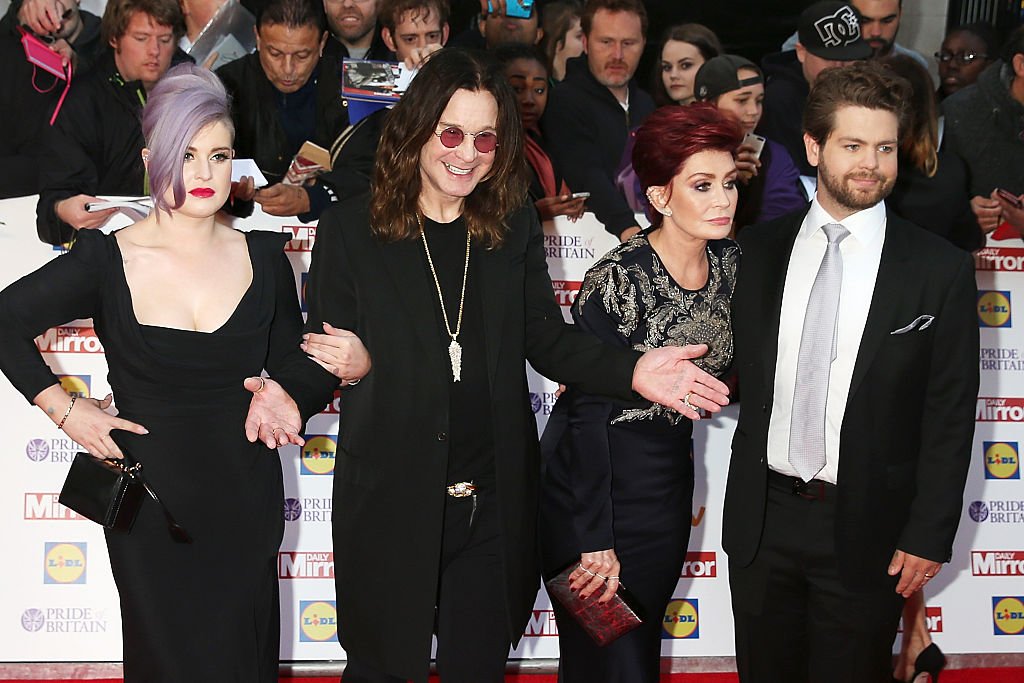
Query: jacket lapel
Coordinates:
[776,264]
[493,277]
[892,272]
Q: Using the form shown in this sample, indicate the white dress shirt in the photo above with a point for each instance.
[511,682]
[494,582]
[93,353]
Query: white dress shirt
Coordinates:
[861,251]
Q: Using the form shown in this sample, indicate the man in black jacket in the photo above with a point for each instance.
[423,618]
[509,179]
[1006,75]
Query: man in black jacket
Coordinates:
[591,112]
[281,96]
[95,146]
[828,35]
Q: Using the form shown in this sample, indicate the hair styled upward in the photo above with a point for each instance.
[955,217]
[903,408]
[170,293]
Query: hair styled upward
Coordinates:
[410,126]
[671,135]
[187,99]
[866,84]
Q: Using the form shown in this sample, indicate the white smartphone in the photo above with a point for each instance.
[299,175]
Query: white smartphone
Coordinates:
[755,141]
[580,195]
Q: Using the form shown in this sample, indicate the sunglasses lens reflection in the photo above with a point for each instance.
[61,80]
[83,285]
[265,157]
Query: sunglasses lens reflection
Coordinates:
[484,142]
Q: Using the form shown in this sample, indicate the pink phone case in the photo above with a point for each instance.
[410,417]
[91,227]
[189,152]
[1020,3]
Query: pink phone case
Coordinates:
[37,52]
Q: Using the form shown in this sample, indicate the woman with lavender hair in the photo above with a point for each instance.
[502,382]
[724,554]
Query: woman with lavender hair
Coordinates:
[187,310]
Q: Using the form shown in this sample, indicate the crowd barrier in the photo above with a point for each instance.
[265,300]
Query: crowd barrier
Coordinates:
[60,603]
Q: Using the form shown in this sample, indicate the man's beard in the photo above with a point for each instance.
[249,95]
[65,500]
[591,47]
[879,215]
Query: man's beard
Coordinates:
[848,197]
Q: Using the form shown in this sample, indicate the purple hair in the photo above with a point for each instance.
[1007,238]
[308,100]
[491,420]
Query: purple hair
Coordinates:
[187,99]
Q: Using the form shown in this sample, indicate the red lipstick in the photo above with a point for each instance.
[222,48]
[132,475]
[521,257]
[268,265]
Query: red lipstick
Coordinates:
[202,192]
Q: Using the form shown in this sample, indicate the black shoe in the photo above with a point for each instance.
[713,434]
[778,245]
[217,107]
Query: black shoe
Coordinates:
[930,661]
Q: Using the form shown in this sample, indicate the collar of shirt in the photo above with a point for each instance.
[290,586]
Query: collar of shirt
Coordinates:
[866,226]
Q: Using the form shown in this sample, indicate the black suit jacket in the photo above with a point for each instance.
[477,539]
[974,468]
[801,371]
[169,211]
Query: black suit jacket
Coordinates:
[389,483]
[905,442]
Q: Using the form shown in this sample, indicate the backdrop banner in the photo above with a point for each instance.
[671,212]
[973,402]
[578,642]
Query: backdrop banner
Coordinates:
[59,600]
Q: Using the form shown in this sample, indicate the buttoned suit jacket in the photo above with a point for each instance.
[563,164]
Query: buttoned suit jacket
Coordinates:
[905,440]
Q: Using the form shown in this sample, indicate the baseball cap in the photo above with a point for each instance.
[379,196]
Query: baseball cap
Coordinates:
[718,76]
[831,30]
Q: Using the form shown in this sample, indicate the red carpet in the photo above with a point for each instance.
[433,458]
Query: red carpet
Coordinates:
[1008,675]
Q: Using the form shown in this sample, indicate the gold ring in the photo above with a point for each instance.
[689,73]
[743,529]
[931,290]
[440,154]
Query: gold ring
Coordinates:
[263,383]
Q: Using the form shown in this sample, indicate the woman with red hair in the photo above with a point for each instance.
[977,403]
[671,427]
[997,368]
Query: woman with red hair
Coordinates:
[619,479]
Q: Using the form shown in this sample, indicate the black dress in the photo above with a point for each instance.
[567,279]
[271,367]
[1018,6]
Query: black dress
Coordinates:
[206,611]
[620,475]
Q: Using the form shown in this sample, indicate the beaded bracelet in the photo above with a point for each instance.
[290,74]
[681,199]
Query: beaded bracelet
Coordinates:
[60,425]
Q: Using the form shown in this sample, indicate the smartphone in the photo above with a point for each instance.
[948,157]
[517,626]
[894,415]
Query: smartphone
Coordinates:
[755,141]
[1010,198]
[580,195]
[519,9]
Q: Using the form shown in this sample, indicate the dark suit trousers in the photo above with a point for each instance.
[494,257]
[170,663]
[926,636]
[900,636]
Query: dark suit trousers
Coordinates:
[795,621]
[471,629]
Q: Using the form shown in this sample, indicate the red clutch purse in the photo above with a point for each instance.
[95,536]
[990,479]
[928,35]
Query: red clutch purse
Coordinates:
[603,621]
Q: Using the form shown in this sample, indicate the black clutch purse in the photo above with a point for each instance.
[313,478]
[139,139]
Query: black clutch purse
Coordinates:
[110,493]
[603,621]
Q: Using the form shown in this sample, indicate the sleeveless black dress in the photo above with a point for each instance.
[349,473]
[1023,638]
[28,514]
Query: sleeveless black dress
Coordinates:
[205,611]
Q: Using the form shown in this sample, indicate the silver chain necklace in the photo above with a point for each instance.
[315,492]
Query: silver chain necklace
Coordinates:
[454,349]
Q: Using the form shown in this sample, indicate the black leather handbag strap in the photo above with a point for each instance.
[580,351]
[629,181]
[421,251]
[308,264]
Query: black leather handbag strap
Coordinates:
[134,469]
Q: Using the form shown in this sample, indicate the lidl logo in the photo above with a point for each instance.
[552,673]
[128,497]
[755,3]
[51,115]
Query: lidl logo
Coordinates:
[319,454]
[76,385]
[993,308]
[1002,460]
[681,620]
[1008,616]
[64,563]
[318,620]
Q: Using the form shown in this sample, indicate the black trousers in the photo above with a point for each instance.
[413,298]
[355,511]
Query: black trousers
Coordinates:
[471,616]
[795,621]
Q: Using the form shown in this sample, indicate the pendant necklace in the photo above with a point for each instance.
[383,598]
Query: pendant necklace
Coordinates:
[454,349]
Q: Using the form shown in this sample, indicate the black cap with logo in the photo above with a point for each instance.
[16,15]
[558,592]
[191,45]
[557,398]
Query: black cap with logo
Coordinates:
[718,76]
[831,30]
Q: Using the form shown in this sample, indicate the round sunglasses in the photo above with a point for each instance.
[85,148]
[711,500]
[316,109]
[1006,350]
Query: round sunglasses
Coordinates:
[452,136]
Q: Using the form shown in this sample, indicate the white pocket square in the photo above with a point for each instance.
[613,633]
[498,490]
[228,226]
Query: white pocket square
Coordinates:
[921,322]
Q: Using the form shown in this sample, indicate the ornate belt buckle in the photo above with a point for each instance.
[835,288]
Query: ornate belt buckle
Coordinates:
[462,489]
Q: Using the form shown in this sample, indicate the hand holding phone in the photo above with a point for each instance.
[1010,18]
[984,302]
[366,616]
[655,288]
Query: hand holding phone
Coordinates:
[1010,198]
[755,142]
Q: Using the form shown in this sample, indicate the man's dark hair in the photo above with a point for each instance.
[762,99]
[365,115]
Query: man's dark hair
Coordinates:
[389,12]
[119,13]
[861,84]
[293,14]
[1014,45]
[592,7]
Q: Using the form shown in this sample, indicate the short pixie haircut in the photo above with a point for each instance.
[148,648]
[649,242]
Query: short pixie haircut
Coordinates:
[187,99]
[673,134]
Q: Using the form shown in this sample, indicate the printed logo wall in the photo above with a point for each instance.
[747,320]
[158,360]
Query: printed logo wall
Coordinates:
[65,606]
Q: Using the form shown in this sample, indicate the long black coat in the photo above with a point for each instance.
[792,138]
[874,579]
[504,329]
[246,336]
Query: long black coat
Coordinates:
[905,443]
[389,484]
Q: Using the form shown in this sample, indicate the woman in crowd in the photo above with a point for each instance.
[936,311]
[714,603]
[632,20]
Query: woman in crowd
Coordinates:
[563,35]
[186,309]
[526,73]
[618,486]
[684,49]
[769,180]
[965,52]
[932,186]
[442,275]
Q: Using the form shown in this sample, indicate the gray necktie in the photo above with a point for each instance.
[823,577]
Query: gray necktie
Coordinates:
[817,351]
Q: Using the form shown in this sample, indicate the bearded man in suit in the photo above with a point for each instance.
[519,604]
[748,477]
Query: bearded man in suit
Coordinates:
[857,354]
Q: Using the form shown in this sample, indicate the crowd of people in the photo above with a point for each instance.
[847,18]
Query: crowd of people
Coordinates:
[810,223]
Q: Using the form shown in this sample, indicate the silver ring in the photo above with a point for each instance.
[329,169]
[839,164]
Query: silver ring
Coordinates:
[928,576]
[603,578]
[686,402]
[263,383]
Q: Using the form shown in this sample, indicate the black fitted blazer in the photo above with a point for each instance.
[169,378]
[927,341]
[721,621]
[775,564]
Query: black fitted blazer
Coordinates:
[906,437]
